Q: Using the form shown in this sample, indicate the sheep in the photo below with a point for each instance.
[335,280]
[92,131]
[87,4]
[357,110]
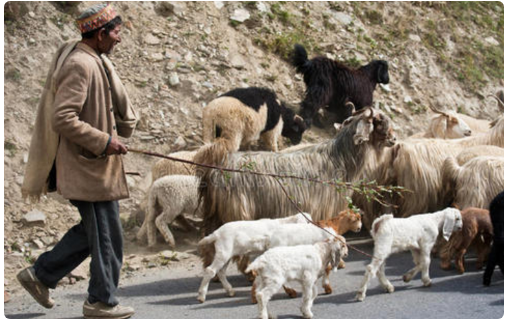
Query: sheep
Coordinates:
[169,197]
[416,233]
[244,115]
[475,183]
[235,239]
[303,263]
[249,196]
[164,167]
[445,125]
[497,250]
[416,165]
[476,229]
[330,84]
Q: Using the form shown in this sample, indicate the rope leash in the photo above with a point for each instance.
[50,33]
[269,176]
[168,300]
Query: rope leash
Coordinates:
[275,176]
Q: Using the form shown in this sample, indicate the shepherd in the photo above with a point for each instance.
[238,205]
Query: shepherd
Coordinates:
[75,151]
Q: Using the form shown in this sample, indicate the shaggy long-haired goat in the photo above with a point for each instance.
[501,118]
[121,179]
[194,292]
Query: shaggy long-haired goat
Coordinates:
[416,234]
[416,164]
[248,196]
[330,84]
[474,184]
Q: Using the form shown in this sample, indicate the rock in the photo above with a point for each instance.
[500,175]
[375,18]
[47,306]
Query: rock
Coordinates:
[240,15]
[7,297]
[168,254]
[156,57]
[414,37]
[38,243]
[151,39]
[261,7]
[47,240]
[343,18]
[237,61]
[34,217]
[207,85]
[81,272]
[385,87]
[180,142]
[407,99]
[219,4]
[173,79]
[491,40]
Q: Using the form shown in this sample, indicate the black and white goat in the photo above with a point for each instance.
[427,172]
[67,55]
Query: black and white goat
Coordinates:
[244,115]
[331,84]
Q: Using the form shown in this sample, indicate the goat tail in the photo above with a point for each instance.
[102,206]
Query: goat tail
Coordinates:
[450,171]
[300,59]
[253,267]
[379,222]
[206,248]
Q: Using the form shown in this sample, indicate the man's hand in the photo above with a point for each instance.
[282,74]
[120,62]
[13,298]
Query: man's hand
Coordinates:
[116,147]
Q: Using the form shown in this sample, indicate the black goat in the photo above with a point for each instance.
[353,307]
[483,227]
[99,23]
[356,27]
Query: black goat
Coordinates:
[497,250]
[331,84]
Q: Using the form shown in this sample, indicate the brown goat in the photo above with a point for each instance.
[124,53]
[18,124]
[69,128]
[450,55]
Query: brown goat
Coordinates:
[477,230]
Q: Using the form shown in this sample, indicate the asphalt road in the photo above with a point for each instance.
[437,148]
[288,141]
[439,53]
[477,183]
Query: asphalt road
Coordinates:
[171,293]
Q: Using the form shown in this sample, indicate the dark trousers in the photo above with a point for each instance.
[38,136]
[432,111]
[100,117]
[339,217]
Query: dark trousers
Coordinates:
[99,234]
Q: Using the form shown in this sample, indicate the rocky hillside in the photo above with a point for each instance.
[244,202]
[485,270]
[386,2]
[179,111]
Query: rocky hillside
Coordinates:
[177,56]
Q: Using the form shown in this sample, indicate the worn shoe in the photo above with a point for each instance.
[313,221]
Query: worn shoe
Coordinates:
[99,310]
[37,289]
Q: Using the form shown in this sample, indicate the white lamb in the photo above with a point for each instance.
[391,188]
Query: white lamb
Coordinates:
[237,238]
[169,197]
[417,233]
[304,263]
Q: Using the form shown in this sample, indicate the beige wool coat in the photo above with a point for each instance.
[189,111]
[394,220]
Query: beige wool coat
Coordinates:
[84,119]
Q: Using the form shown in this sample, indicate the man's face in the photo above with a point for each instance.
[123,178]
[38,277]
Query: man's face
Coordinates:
[109,40]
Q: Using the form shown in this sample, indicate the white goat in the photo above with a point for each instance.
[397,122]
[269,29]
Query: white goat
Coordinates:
[417,233]
[172,196]
[236,239]
[304,263]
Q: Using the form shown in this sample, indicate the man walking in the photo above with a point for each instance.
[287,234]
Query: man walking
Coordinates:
[75,150]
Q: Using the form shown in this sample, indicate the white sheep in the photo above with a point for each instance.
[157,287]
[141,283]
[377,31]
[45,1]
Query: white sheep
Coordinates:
[303,263]
[417,233]
[164,167]
[168,198]
[237,238]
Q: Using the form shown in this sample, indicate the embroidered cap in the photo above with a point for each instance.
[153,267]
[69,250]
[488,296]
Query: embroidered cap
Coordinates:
[95,17]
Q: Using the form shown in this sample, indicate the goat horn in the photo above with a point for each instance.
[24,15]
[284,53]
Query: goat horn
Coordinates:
[435,110]
[501,104]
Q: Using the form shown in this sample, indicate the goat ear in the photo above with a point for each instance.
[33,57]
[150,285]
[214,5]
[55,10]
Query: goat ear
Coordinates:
[335,253]
[448,224]
[383,72]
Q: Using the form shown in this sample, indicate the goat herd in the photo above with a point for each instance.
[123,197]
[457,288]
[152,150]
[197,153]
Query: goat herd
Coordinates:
[456,170]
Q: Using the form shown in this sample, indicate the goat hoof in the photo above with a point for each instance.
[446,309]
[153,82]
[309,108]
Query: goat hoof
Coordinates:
[201,299]
[427,283]
[230,293]
[407,278]
[327,289]
[360,297]
[389,289]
